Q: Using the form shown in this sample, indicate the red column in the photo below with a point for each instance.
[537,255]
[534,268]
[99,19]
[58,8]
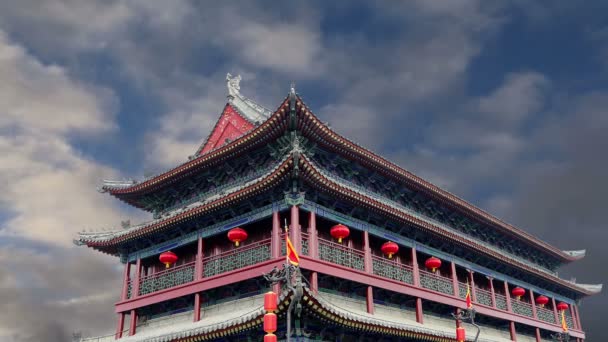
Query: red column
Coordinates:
[458,324]
[125,281]
[555,314]
[133,323]
[454,280]
[538,338]
[512,331]
[491,280]
[120,326]
[296,237]
[533,304]
[508,297]
[574,323]
[370,300]
[367,256]
[135,285]
[314,282]
[419,315]
[415,268]
[275,244]
[199,275]
[473,291]
[197,307]
[313,236]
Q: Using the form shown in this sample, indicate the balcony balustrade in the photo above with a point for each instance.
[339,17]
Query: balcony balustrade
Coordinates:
[171,277]
[545,314]
[568,318]
[483,297]
[521,308]
[342,255]
[237,258]
[501,301]
[436,282]
[391,269]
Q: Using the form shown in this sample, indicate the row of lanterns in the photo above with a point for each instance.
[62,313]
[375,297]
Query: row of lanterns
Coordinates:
[270,318]
[541,300]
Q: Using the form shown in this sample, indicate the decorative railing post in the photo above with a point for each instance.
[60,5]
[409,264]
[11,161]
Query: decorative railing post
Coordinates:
[455,281]
[533,303]
[508,297]
[491,280]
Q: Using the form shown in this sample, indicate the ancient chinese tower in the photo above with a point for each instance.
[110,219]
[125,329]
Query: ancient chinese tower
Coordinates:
[384,254]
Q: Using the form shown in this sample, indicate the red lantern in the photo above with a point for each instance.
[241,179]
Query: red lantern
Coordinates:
[237,235]
[518,292]
[168,258]
[542,300]
[270,301]
[432,263]
[562,306]
[339,232]
[460,334]
[270,338]
[389,248]
[270,322]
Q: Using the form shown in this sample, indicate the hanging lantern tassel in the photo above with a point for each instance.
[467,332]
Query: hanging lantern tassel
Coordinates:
[460,334]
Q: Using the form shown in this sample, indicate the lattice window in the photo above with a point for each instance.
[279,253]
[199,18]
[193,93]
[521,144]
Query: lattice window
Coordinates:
[392,270]
[436,283]
[167,279]
[501,301]
[521,308]
[341,255]
[233,260]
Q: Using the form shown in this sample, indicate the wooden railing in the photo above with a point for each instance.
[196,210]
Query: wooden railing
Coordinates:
[342,255]
[237,258]
[436,282]
[389,268]
[171,277]
[483,296]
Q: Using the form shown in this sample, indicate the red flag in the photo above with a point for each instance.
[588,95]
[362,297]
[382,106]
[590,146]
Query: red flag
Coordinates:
[291,254]
[468,297]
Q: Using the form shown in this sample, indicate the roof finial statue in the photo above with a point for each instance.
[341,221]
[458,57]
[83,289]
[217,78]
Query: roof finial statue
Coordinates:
[233,84]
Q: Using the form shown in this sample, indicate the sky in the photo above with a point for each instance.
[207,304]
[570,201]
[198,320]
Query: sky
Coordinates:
[502,103]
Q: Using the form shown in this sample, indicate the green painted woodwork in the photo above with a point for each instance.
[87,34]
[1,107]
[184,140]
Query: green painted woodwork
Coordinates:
[166,279]
[239,258]
[436,283]
[521,308]
[341,255]
[392,270]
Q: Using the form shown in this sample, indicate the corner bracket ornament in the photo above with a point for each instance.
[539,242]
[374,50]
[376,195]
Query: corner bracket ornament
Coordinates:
[294,198]
[233,84]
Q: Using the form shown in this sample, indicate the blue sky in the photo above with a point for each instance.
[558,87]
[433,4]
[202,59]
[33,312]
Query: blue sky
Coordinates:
[502,103]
